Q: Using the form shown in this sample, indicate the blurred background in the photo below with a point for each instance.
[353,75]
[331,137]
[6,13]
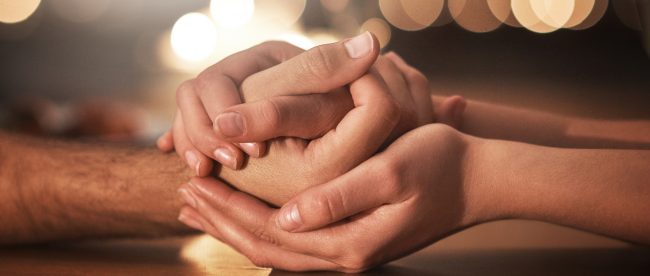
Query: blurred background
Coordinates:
[108,69]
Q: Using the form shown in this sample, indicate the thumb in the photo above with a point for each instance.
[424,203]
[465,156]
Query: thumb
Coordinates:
[317,70]
[338,199]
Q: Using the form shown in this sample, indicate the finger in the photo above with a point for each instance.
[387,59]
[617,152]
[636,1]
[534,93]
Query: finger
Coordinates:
[340,198]
[362,131]
[303,116]
[418,85]
[449,110]
[398,88]
[201,164]
[192,219]
[260,220]
[198,127]
[165,142]
[260,252]
[317,70]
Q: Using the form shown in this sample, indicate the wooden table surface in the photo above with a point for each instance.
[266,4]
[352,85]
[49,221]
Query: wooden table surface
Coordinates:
[502,248]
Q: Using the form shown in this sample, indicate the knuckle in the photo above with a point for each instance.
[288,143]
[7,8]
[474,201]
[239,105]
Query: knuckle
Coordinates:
[271,113]
[417,77]
[318,64]
[186,89]
[259,260]
[391,111]
[357,261]
[390,173]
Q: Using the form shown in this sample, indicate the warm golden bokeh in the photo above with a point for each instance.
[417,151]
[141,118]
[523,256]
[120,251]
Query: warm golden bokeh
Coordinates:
[12,11]
[597,12]
[379,28]
[581,11]
[394,13]
[474,16]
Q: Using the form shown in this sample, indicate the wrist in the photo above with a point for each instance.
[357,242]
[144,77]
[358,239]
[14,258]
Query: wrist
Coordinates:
[487,180]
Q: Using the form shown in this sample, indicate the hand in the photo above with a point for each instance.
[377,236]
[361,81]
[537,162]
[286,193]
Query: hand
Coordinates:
[218,87]
[332,153]
[417,191]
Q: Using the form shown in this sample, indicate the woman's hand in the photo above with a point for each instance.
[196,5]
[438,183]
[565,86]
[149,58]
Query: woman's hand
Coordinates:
[324,144]
[417,191]
[317,71]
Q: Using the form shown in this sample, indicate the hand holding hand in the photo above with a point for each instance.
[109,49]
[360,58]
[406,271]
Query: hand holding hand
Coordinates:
[416,192]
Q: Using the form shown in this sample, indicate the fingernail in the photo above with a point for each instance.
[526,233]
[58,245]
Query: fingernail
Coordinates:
[289,219]
[225,157]
[359,46]
[193,161]
[252,149]
[201,189]
[230,124]
[187,197]
[192,223]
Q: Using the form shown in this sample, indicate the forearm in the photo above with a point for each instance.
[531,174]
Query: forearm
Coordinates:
[536,127]
[598,190]
[61,191]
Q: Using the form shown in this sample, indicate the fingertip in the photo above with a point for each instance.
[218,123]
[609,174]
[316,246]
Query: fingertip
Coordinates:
[165,142]
[289,218]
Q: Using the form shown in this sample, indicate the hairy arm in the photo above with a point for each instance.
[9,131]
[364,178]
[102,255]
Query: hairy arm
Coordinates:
[54,190]
[536,127]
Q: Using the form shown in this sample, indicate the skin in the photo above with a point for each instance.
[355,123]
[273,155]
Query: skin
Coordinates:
[318,141]
[118,191]
[54,190]
[448,182]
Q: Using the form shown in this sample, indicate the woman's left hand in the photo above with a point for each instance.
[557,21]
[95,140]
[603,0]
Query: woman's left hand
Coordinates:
[417,191]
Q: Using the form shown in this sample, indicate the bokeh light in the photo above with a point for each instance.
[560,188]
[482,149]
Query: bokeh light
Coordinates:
[14,11]
[334,5]
[297,39]
[379,28]
[194,37]
[394,12]
[423,12]
[281,13]
[80,11]
[554,13]
[523,11]
[597,12]
[232,13]
[474,16]
[501,10]
[581,10]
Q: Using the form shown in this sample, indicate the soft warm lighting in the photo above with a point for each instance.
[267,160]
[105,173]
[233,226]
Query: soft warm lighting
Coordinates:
[423,12]
[597,12]
[297,40]
[394,12]
[554,13]
[280,13]
[80,10]
[580,12]
[472,15]
[501,10]
[194,37]
[379,28]
[523,11]
[14,11]
[232,13]
[323,37]
[334,5]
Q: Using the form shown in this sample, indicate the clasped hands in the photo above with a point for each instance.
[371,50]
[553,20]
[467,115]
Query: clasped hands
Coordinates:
[364,165]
